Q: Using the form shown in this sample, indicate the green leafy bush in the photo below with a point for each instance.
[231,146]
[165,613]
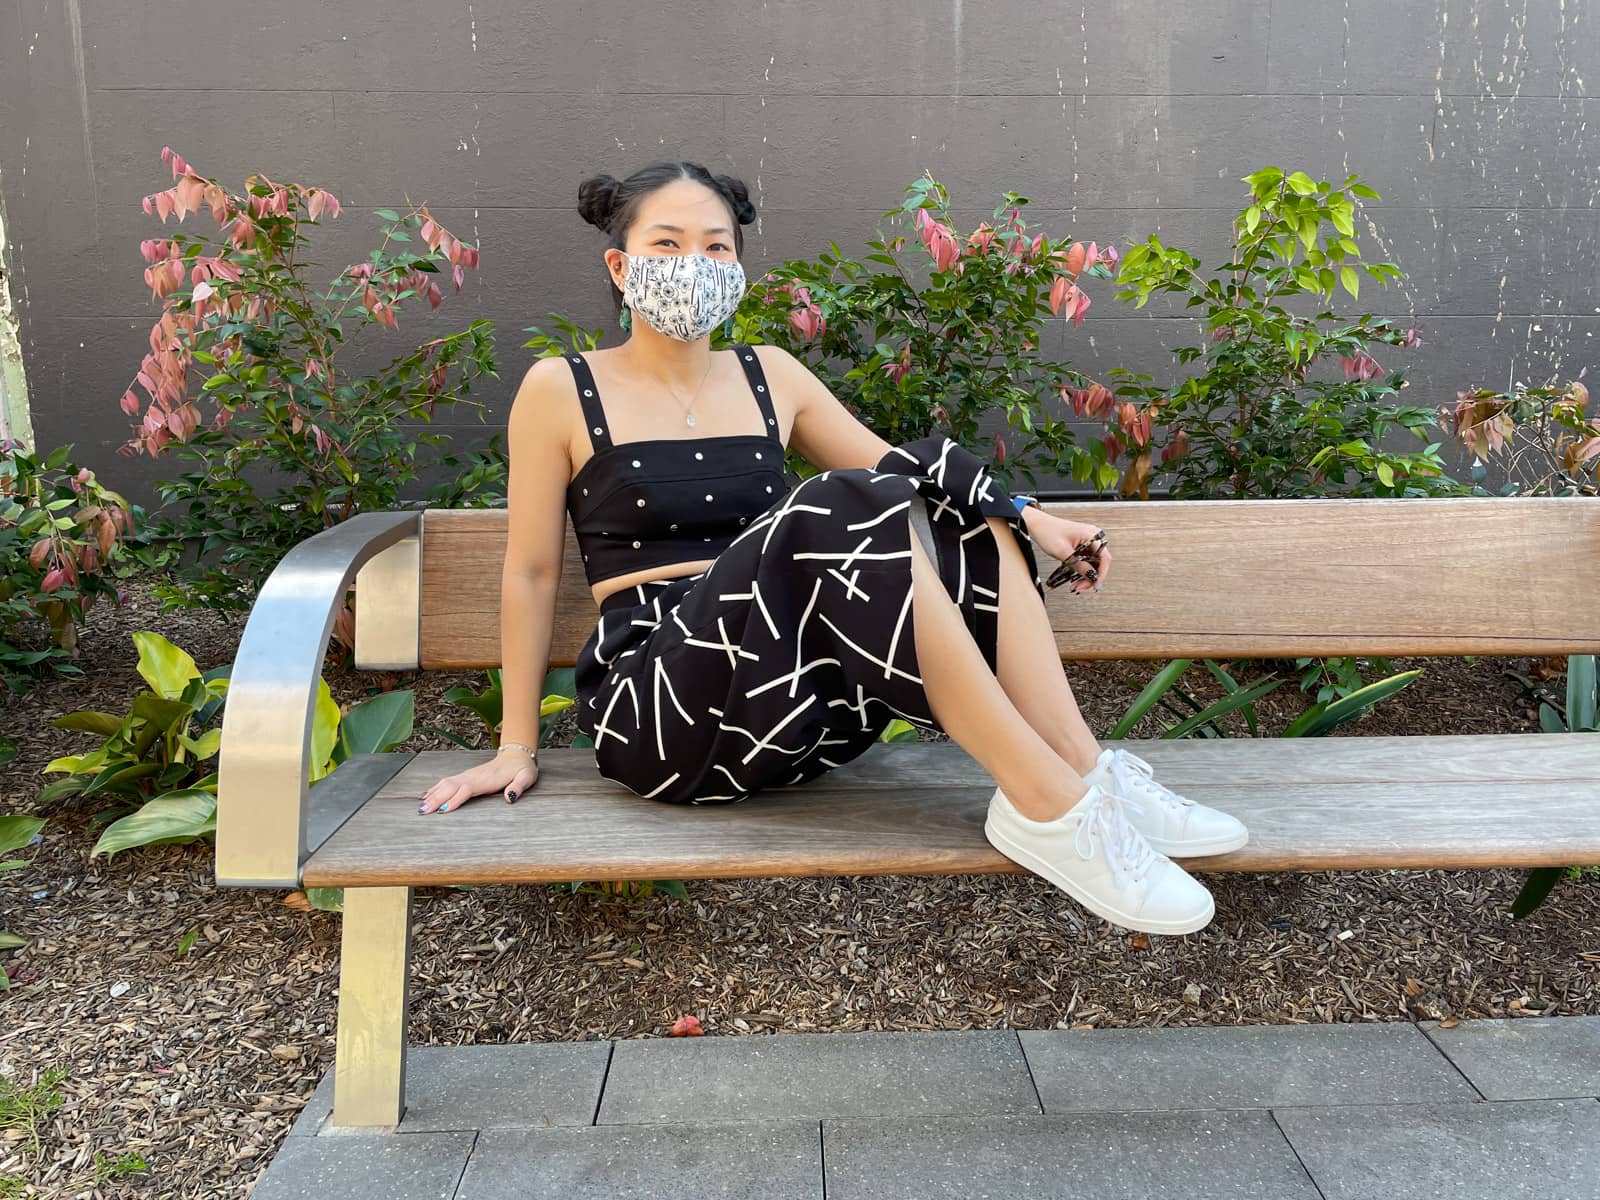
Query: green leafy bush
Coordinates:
[1257,419]
[298,440]
[928,332]
[59,531]
[155,762]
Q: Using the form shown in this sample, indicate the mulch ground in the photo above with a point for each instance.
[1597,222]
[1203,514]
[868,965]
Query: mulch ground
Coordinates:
[200,1062]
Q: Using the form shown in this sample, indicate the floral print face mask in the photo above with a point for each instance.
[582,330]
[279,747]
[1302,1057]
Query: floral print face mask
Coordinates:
[684,296]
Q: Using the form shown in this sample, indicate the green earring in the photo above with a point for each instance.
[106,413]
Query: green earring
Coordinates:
[626,318]
[727,328]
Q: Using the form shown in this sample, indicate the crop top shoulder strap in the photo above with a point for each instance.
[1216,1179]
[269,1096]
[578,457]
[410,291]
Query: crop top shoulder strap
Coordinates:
[594,413]
[751,363]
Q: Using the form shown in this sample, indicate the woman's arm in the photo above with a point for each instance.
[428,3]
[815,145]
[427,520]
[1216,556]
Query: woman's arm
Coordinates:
[529,578]
[824,433]
[537,519]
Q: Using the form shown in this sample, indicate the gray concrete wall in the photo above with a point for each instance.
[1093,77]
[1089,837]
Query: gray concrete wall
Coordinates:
[1116,119]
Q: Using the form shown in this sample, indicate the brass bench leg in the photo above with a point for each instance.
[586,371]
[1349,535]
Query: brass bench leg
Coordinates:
[369,1070]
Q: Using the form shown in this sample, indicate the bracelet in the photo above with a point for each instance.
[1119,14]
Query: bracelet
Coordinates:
[528,750]
[1022,502]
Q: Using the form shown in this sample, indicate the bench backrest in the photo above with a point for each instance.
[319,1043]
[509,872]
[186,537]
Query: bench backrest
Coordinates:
[1200,578]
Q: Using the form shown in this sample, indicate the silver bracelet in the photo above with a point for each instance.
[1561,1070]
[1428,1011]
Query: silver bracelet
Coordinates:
[528,750]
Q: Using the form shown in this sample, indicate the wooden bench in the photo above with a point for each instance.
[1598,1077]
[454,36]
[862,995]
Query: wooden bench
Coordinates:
[1226,579]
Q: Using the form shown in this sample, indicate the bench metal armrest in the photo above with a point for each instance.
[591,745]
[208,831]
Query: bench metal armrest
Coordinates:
[262,789]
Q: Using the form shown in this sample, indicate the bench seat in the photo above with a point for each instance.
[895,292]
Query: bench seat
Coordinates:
[1512,800]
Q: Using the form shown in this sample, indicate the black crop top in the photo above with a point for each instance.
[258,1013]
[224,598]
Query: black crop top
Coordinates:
[668,500]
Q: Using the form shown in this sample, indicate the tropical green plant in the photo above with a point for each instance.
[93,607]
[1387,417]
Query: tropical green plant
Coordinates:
[59,533]
[1195,720]
[299,438]
[16,832]
[1256,419]
[1580,714]
[155,761]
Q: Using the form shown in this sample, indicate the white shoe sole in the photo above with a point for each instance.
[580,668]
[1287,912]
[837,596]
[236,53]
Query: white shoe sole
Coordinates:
[1198,849]
[1039,866]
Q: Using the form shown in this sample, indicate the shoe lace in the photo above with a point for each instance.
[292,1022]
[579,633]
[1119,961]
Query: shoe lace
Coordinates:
[1126,849]
[1135,780]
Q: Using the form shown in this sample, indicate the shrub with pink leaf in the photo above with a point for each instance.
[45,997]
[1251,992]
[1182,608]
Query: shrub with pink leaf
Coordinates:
[245,372]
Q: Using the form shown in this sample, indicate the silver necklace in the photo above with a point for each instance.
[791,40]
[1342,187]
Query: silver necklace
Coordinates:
[688,414]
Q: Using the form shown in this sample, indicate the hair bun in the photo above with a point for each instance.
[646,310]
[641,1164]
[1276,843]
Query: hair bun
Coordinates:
[743,211]
[597,200]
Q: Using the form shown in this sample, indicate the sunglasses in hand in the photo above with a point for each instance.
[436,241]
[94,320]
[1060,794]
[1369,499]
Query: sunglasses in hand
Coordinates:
[1088,554]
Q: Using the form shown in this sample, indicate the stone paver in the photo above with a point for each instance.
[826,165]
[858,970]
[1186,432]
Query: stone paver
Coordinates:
[816,1075]
[1247,1066]
[1107,1156]
[485,1087]
[757,1160]
[1372,1112]
[420,1166]
[1461,1151]
[1529,1058]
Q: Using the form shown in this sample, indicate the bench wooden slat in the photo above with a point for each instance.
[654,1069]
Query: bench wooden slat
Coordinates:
[1223,578]
[918,808]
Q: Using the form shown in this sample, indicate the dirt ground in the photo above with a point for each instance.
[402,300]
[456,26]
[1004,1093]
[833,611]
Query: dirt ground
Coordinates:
[200,1062]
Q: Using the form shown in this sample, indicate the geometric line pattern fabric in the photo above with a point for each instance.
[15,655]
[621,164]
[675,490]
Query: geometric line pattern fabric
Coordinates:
[791,652]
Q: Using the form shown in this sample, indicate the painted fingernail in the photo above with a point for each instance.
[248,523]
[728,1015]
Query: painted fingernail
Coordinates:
[511,797]
[422,808]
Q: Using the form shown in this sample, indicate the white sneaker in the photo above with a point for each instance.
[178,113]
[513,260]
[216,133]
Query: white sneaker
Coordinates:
[1093,854]
[1172,824]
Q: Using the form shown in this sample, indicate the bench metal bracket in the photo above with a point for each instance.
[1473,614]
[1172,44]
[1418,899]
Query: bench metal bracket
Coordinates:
[264,767]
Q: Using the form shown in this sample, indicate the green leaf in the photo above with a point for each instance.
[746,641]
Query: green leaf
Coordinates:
[376,725]
[102,723]
[324,731]
[1302,184]
[17,830]
[1386,474]
[1252,218]
[1351,281]
[185,815]
[186,943]
[163,666]
[326,899]
[388,214]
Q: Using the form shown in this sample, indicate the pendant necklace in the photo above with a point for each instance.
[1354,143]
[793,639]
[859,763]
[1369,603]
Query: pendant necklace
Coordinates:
[688,414]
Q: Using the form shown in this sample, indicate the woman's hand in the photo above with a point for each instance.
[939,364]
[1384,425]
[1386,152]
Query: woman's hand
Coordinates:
[1085,559]
[511,772]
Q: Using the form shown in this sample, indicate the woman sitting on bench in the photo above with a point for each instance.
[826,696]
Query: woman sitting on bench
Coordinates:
[751,636]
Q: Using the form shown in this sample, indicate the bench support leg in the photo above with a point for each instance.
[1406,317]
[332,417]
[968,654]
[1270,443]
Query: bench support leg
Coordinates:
[369,1083]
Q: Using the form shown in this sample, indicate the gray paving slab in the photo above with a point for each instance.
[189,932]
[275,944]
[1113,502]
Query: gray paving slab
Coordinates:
[1527,1148]
[750,1160]
[485,1087]
[770,1076]
[1106,1156]
[422,1166]
[1529,1058]
[1247,1066]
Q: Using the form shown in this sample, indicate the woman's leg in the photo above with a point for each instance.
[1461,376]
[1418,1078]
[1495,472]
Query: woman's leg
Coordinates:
[972,707]
[1029,666]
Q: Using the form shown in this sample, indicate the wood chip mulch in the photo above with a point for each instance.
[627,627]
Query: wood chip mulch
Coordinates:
[200,1062]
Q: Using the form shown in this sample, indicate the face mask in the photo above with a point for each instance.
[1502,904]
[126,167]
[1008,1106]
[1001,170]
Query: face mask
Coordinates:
[684,296]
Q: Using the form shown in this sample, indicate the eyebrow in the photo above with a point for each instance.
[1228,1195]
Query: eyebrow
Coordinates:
[679,228]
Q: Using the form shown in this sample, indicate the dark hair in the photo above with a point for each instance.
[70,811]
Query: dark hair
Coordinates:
[611,205]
